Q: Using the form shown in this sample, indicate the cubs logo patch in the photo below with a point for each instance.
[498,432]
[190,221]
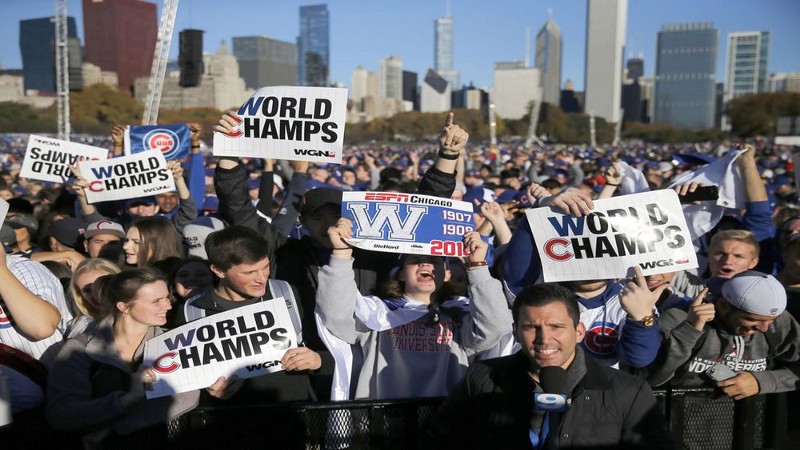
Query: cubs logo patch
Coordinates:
[601,339]
[163,140]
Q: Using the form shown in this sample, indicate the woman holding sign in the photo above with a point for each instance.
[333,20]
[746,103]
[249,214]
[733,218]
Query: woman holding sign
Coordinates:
[97,384]
[416,338]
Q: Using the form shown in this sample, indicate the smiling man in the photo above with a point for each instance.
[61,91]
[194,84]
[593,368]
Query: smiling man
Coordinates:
[745,328]
[495,405]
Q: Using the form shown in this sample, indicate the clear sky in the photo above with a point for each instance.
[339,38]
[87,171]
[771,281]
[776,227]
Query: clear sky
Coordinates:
[486,31]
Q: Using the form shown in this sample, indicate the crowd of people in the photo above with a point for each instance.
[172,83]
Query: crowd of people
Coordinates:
[83,287]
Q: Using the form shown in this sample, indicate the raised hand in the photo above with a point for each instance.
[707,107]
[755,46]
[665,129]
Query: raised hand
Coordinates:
[228,124]
[574,202]
[700,313]
[453,139]
[338,234]
[636,299]
[476,246]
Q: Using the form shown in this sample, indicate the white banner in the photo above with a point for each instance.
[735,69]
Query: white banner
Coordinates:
[408,223]
[289,122]
[247,342]
[3,211]
[50,159]
[138,175]
[646,229]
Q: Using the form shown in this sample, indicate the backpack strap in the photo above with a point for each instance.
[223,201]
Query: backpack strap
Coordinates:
[191,312]
[280,288]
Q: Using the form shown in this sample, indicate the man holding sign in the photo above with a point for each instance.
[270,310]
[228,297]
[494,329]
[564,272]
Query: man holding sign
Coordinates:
[238,258]
[609,306]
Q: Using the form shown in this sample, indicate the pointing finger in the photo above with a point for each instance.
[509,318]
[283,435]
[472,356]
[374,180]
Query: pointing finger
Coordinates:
[449,120]
[699,299]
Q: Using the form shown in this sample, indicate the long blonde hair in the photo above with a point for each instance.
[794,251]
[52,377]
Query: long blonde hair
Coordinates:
[89,265]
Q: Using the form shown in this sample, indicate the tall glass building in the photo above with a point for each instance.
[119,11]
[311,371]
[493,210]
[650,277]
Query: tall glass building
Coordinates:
[265,61]
[686,64]
[120,36]
[443,52]
[748,59]
[37,39]
[313,46]
[606,22]
[548,60]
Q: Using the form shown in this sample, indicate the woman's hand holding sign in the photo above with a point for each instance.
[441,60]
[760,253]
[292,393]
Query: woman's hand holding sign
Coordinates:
[338,235]
[225,388]
[476,246]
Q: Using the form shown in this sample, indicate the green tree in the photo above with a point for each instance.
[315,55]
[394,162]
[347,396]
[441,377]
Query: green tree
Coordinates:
[757,114]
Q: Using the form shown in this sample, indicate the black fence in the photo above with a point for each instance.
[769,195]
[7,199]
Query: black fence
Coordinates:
[700,418]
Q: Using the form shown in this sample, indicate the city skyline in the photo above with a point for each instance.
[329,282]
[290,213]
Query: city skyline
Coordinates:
[363,33]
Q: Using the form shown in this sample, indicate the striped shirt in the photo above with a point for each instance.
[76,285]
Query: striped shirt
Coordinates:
[39,280]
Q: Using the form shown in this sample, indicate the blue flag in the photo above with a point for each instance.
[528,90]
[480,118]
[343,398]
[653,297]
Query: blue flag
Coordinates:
[173,141]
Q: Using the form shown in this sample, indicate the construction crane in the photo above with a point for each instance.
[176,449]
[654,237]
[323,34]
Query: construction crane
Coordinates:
[62,70]
[537,106]
[160,57]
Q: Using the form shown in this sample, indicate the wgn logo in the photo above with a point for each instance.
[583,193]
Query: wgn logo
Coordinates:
[372,226]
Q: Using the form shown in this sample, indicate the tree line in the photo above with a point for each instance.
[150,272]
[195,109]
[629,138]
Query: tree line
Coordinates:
[97,108]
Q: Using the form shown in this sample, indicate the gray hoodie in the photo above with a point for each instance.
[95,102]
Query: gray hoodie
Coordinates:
[397,352]
[686,353]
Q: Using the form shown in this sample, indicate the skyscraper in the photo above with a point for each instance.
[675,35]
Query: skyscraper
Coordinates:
[358,84]
[390,78]
[443,52]
[686,63]
[410,89]
[37,45]
[313,50]
[632,106]
[120,37]
[548,61]
[515,86]
[748,59]
[435,95]
[265,61]
[605,38]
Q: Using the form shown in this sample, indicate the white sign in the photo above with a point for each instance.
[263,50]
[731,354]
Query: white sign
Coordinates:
[138,175]
[50,159]
[247,342]
[289,122]
[3,211]
[646,229]
[408,223]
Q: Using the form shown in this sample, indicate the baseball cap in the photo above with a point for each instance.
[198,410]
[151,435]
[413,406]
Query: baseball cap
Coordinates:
[20,220]
[196,232]
[68,231]
[7,235]
[104,227]
[751,291]
[149,200]
[316,198]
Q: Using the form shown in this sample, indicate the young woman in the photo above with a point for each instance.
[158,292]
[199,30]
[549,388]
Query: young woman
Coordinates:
[151,240]
[96,385]
[416,339]
[87,307]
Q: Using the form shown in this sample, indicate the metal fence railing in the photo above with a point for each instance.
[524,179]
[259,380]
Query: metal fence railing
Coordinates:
[700,418]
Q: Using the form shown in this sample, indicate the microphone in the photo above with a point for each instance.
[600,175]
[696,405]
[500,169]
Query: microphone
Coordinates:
[555,397]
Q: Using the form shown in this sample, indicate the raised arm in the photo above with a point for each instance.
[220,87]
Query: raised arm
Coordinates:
[489,317]
[337,291]
[34,316]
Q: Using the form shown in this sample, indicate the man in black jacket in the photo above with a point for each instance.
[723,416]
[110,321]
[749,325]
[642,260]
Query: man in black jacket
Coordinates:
[494,406]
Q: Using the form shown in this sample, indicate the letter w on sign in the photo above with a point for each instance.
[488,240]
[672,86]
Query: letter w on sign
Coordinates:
[386,214]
